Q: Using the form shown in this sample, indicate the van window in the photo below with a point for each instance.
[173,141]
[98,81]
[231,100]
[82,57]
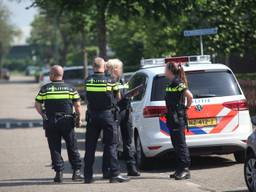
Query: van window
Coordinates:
[136,80]
[202,84]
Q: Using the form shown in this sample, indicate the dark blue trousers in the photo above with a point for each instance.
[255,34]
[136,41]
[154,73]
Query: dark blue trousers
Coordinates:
[101,120]
[54,133]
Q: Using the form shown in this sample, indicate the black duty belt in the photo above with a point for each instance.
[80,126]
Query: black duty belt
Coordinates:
[64,115]
[59,116]
[100,110]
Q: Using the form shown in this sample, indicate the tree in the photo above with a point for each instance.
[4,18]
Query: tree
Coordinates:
[105,9]
[7,31]
[56,39]
[235,19]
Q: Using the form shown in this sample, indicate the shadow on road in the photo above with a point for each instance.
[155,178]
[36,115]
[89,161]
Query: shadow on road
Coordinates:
[160,165]
[12,123]
[237,191]
[32,181]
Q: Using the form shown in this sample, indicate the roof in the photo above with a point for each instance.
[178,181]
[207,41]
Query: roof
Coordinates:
[195,67]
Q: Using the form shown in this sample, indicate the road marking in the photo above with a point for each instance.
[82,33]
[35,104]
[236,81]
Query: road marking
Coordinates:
[20,124]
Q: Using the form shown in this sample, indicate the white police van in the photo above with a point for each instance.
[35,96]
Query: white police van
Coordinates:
[219,121]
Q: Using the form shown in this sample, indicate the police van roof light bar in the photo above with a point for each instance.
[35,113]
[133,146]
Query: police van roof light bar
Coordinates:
[152,61]
[195,59]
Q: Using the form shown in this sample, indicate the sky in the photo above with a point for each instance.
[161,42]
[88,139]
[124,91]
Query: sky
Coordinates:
[21,17]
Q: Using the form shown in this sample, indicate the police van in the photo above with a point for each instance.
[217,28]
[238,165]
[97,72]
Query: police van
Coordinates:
[218,121]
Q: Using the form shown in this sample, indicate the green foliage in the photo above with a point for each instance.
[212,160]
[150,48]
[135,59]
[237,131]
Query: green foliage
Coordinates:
[17,64]
[235,19]
[58,40]
[246,76]
[7,31]
[146,28]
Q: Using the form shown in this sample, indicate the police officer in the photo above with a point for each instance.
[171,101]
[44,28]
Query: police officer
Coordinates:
[100,93]
[115,67]
[54,103]
[176,95]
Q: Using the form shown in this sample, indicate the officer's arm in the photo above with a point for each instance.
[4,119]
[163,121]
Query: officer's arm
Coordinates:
[39,100]
[78,108]
[118,96]
[39,108]
[189,97]
[116,91]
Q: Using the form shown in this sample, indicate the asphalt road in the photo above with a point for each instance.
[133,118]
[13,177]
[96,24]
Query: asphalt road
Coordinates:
[25,160]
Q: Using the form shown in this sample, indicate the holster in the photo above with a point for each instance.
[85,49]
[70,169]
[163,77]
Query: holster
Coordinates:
[175,115]
[76,118]
[87,116]
[116,112]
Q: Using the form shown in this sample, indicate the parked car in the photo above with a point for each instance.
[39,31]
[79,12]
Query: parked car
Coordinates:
[44,77]
[218,121]
[4,74]
[250,161]
[31,70]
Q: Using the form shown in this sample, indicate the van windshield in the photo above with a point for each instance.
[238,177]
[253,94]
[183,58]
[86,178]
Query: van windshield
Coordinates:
[202,84]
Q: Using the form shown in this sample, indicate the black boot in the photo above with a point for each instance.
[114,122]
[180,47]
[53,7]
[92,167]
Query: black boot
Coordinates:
[106,175]
[172,176]
[77,176]
[132,170]
[58,177]
[119,179]
[182,175]
[88,180]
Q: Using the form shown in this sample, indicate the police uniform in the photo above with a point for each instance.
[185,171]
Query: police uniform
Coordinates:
[58,99]
[125,122]
[177,122]
[100,92]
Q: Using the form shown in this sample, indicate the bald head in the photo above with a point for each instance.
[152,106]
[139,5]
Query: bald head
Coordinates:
[56,73]
[99,64]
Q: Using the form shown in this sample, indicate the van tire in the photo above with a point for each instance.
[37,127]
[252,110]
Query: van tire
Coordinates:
[141,159]
[239,156]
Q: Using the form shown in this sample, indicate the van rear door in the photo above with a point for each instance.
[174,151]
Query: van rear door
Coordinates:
[216,102]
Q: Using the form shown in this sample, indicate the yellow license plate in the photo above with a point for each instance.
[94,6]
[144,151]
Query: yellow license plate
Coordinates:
[202,122]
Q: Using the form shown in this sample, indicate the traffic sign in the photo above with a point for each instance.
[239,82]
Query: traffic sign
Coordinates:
[200,32]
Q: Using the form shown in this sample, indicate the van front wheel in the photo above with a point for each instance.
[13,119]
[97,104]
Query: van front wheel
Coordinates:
[141,159]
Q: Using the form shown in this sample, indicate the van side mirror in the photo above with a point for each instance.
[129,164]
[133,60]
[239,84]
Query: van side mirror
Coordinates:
[253,120]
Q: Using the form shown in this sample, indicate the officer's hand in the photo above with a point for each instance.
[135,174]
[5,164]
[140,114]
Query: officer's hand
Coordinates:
[80,123]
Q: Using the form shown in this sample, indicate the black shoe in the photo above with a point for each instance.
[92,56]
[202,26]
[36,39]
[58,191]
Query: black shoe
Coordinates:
[132,171]
[106,176]
[182,175]
[119,179]
[88,180]
[77,176]
[58,177]
[172,176]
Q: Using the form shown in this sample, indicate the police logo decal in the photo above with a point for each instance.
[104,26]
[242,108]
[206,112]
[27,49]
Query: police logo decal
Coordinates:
[199,107]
